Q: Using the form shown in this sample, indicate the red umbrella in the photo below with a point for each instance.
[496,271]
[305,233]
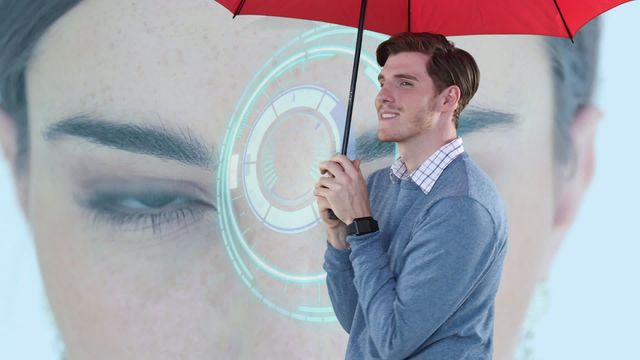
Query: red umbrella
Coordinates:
[561,18]
[453,17]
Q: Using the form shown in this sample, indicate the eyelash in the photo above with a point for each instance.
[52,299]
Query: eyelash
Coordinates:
[112,209]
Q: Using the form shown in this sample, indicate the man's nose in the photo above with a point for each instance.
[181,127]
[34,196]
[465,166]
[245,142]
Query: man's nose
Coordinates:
[384,96]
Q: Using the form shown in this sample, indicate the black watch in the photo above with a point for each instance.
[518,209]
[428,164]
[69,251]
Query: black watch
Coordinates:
[361,226]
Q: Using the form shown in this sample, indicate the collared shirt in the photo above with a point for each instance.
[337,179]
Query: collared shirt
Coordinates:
[429,171]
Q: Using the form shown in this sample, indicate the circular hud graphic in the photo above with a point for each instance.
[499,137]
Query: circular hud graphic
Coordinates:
[288,120]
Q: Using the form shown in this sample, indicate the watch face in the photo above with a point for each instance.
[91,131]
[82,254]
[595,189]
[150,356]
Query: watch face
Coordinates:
[287,121]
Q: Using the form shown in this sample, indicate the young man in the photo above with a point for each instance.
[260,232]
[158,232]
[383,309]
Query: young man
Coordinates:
[413,272]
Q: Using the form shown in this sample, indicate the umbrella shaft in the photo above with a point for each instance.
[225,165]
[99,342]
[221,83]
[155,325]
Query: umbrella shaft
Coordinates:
[352,91]
[354,77]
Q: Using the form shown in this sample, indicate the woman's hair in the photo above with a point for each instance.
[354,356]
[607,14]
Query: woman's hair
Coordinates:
[22,24]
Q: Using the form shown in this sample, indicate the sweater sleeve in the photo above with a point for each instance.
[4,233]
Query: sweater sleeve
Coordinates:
[451,248]
[342,292]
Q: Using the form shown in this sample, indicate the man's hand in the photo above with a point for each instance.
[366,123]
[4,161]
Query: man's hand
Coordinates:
[336,229]
[344,188]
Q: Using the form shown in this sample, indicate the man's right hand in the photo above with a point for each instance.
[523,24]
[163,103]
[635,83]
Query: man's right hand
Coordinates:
[336,229]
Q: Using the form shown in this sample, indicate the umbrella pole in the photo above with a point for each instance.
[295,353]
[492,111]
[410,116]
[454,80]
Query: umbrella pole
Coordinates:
[354,77]
[352,91]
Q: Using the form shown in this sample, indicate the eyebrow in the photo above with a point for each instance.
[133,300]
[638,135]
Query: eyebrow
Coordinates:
[399,76]
[472,120]
[159,141]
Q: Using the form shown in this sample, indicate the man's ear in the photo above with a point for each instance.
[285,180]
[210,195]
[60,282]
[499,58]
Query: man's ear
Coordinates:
[571,188]
[449,99]
[9,144]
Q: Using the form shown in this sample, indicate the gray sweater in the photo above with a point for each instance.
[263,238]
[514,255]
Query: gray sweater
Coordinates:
[424,286]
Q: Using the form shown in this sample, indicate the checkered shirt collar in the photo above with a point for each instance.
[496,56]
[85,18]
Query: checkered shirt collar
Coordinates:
[428,172]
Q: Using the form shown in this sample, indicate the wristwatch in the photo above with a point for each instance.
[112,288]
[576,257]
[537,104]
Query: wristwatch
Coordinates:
[361,226]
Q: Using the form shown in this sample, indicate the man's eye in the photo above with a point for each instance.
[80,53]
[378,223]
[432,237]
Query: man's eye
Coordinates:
[147,210]
[405,83]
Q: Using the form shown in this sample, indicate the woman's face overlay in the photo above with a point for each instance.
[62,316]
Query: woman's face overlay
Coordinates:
[173,155]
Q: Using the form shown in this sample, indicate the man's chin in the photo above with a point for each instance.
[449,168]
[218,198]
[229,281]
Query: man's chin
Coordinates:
[382,137]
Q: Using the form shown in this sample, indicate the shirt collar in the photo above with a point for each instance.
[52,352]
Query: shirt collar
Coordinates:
[426,175]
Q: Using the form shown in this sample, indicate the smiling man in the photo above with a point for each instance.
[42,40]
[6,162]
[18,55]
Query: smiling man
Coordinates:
[124,124]
[414,272]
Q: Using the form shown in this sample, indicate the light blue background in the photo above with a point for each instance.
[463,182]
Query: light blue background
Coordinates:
[593,293]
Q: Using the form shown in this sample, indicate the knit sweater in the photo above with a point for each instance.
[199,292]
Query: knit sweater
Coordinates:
[424,285]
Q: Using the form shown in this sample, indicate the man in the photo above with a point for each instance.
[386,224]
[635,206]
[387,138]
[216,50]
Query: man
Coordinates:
[130,241]
[422,283]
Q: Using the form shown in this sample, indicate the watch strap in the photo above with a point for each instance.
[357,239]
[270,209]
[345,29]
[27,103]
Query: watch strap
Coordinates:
[361,226]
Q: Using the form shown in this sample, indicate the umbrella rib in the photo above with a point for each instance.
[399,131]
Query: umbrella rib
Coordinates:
[409,16]
[563,20]
[238,9]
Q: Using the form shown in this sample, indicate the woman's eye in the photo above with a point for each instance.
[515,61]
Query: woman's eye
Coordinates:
[151,201]
[156,211]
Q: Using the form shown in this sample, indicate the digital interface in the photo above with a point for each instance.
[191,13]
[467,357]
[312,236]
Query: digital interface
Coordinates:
[287,121]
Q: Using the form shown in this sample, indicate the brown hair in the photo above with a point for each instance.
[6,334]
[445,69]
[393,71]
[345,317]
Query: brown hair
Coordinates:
[447,65]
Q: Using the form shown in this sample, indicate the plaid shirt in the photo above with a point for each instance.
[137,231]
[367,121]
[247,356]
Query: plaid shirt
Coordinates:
[428,172]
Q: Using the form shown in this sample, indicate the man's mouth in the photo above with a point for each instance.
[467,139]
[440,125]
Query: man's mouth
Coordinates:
[388,115]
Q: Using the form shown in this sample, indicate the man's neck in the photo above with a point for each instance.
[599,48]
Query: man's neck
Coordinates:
[416,151]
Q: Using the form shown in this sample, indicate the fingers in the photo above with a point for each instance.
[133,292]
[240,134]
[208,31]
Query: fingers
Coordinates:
[321,191]
[323,208]
[323,203]
[339,165]
[325,185]
[331,167]
[327,182]
[348,165]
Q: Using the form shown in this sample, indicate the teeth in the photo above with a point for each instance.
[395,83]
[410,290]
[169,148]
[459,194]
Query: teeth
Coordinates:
[388,116]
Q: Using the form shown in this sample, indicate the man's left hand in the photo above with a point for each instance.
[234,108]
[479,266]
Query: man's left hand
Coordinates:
[344,187]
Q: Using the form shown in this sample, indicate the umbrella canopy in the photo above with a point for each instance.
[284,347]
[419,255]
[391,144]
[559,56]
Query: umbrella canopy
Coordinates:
[452,17]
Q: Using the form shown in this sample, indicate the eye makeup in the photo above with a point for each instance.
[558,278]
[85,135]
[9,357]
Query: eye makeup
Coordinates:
[143,204]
